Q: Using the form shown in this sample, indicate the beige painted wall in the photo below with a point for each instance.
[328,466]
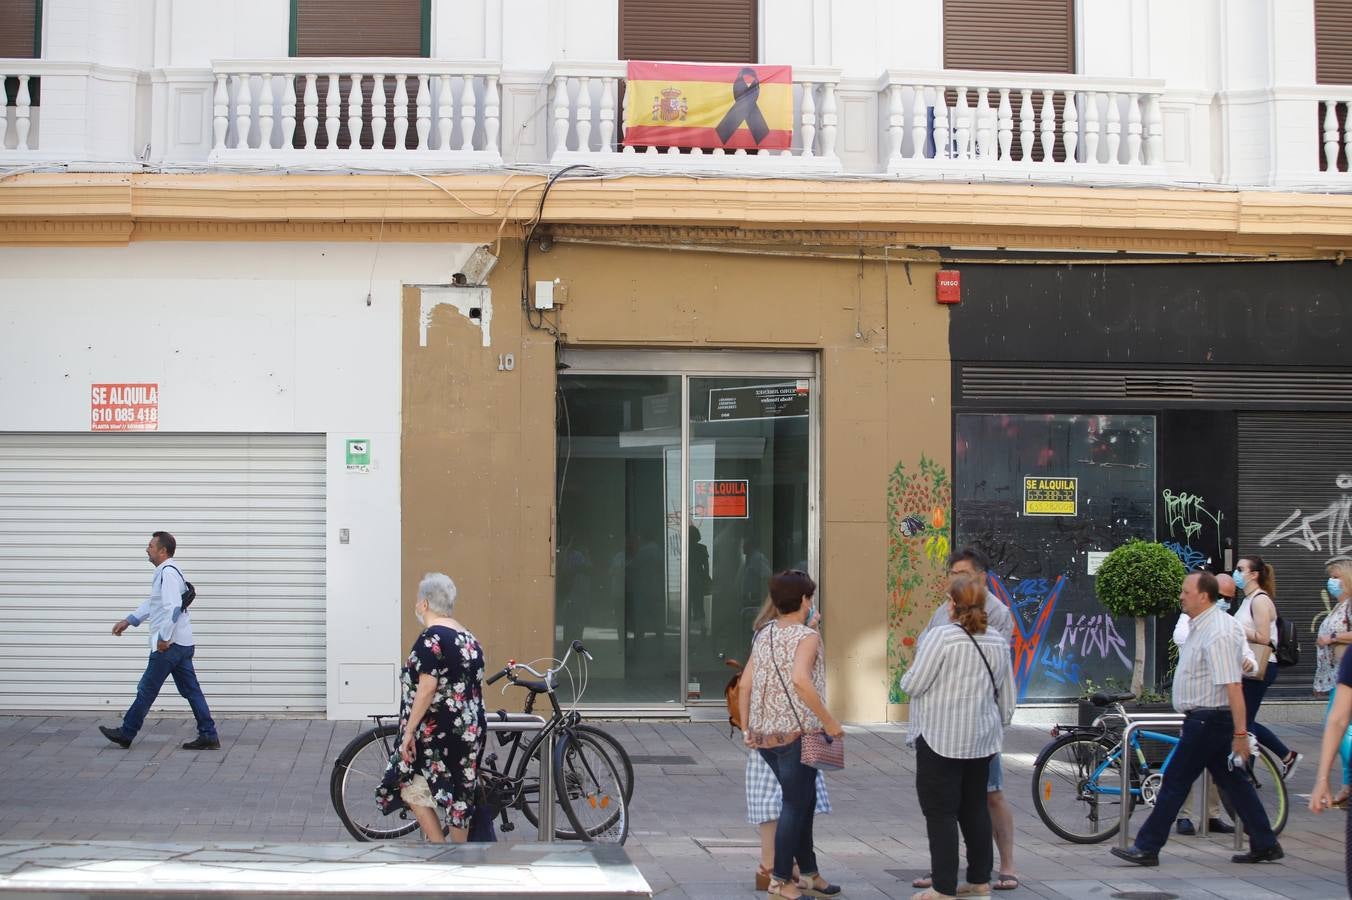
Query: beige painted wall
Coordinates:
[478,444]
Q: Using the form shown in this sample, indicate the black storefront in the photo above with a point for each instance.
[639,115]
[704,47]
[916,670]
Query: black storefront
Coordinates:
[1206,405]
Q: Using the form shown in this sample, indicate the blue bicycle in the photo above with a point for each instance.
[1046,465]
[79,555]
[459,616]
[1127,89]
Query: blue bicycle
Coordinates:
[1077,779]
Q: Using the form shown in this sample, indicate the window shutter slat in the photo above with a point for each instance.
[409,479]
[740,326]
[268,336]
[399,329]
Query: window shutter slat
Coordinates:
[359,28]
[1333,41]
[1010,35]
[18,27]
[689,30]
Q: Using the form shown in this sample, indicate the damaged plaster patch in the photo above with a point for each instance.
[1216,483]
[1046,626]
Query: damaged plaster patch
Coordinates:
[463,299]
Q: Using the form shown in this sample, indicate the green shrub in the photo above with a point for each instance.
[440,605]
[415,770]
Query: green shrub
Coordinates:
[1140,578]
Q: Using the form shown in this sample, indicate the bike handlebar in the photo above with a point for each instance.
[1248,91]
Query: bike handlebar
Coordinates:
[545,683]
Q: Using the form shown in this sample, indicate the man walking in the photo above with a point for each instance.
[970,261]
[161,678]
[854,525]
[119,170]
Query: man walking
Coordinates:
[1207,692]
[970,563]
[171,650]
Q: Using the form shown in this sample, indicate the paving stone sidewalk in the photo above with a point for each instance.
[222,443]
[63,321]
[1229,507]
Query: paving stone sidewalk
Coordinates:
[62,781]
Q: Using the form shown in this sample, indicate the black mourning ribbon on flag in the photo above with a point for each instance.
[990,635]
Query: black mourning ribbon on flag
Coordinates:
[744,109]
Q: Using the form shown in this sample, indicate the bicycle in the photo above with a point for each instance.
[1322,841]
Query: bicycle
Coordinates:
[593,774]
[1077,778]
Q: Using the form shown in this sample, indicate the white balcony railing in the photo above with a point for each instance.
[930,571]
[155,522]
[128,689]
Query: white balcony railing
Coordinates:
[1020,125]
[19,129]
[357,110]
[1334,105]
[587,103]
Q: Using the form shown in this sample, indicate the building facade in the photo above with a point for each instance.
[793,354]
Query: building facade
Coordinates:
[608,389]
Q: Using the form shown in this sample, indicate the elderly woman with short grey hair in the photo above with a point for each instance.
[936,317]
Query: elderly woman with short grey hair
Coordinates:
[441,719]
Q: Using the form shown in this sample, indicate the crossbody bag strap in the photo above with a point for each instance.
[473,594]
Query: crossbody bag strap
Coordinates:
[989,670]
[782,683]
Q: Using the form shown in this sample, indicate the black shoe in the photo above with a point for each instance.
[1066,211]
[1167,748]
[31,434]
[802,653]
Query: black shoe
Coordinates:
[1139,857]
[203,743]
[116,736]
[1185,827]
[1219,826]
[1269,854]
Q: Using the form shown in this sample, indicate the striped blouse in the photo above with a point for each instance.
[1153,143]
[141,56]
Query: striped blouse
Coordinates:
[953,705]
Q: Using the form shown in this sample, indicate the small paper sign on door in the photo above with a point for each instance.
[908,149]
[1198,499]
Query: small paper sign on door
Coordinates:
[124,407]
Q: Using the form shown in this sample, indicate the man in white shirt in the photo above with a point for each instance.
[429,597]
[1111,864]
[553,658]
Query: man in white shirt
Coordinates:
[171,650]
[1207,691]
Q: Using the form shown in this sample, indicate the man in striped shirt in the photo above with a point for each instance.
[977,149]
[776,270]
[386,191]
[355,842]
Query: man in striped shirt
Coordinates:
[1207,692]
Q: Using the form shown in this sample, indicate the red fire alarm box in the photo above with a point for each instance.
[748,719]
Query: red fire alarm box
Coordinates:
[948,286]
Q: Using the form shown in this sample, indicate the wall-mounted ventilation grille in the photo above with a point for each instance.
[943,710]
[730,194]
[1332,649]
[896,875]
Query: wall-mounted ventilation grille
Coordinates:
[1259,388]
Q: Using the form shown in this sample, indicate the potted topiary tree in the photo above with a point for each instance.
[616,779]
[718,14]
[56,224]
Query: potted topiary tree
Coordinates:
[1139,579]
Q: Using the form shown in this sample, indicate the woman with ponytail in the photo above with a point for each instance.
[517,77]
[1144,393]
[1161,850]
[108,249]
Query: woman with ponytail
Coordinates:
[1258,615]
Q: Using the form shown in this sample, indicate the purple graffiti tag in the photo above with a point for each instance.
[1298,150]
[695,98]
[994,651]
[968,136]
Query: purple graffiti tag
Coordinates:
[1028,632]
[1097,634]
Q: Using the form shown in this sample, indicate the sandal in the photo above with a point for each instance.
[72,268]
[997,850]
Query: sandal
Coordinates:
[966,889]
[776,889]
[932,894]
[762,878]
[1005,882]
[809,886]
[924,881]
[1341,800]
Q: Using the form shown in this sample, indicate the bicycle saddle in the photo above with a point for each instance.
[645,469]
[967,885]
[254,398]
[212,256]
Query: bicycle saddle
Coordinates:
[1102,699]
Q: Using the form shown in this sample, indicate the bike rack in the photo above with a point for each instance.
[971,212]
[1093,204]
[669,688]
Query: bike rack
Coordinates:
[525,722]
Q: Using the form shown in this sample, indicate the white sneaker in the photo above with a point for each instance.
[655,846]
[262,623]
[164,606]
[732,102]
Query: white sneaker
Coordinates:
[1290,763]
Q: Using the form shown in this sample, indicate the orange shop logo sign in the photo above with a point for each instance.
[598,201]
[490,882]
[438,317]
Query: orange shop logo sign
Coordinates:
[124,407]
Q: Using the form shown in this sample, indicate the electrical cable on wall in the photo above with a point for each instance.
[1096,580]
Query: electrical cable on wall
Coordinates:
[536,318]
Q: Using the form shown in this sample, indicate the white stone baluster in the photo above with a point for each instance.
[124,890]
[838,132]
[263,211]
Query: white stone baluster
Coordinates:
[492,107]
[468,108]
[561,110]
[830,121]
[962,125]
[1091,127]
[220,115]
[942,148]
[333,110]
[265,108]
[311,111]
[985,125]
[808,118]
[400,111]
[23,109]
[1027,126]
[1154,132]
[919,121]
[1330,136]
[624,117]
[4,117]
[1048,128]
[243,111]
[424,123]
[584,114]
[1133,129]
[896,123]
[379,112]
[1114,129]
[288,112]
[607,115]
[355,102]
[445,111]
[1005,125]
[1070,127]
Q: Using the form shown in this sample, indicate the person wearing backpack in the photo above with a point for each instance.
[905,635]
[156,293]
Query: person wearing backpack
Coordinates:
[171,649]
[1258,615]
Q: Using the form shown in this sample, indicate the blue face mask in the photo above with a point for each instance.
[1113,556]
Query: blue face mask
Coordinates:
[1335,587]
[1224,604]
[1238,576]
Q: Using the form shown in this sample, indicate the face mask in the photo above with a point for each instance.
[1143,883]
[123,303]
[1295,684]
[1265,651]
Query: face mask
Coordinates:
[422,620]
[1224,604]
[1335,587]
[811,611]
[1238,576]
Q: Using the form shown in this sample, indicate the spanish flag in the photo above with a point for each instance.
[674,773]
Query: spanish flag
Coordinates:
[709,106]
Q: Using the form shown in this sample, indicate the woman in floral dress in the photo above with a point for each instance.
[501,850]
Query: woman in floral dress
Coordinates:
[441,719]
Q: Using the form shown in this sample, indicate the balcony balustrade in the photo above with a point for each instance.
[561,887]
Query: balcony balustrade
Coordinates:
[19,131]
[1333,109]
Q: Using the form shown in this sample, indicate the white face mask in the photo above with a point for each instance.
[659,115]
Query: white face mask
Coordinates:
[422,620]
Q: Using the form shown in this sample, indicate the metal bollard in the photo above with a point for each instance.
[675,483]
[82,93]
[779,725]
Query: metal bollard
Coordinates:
[1203,815]
[546,830]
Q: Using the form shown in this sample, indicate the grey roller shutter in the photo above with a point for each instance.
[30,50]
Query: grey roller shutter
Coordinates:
[1294,513]
[76,511]
[689,30]
[1010,35]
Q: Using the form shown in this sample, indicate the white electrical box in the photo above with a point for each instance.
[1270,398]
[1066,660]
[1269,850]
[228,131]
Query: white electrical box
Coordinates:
[544,295]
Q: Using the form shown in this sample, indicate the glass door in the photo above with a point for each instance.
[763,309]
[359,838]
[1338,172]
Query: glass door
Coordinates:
[684,481]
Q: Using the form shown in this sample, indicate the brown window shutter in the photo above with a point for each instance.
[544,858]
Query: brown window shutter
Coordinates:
[18,29]
[1333,41]
[689,30]
[359,27]
[1010,35]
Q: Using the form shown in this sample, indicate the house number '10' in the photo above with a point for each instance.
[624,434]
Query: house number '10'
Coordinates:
[506,362]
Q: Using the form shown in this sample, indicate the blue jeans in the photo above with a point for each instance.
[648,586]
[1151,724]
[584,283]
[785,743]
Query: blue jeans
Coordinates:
[176,661]
[793,833]
[1253,698]
[1205,744]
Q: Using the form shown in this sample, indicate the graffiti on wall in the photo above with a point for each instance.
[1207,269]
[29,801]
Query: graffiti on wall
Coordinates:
[1193,528]
[1328,531]
[919,504]
[1032,603]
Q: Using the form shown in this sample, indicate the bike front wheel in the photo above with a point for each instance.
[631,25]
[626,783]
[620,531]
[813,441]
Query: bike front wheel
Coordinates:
[1077,788]
[615,750]
[590,788]
[352,787]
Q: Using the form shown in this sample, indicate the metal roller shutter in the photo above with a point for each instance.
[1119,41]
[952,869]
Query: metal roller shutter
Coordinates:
[1010,35]
[76,511]
[689,30]
[1333,41]
[19,29]
[358,28]
[1295,493]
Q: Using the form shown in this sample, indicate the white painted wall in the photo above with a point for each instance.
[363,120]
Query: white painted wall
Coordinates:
[249,337]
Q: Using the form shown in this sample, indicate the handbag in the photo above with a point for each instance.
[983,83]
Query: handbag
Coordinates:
[818,749]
